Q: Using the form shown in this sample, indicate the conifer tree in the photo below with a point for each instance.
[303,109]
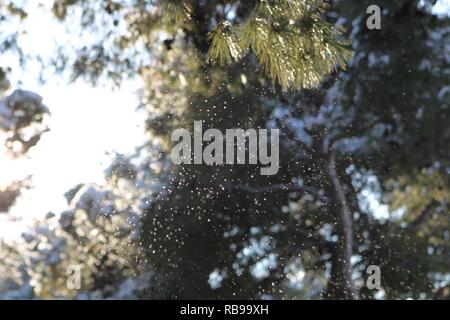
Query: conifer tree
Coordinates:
[377,130]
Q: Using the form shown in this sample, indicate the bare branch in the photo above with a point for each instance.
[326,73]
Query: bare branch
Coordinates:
[347,133]
[425,214]
[290,187]
[290,134]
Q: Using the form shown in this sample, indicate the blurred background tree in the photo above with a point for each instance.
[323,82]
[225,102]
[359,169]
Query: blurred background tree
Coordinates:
[375,130]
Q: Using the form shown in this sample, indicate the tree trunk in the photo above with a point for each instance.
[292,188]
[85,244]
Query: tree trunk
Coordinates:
[341,285]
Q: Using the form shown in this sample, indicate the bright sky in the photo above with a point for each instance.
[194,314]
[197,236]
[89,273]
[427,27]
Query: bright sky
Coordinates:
[85,124]
[442,7]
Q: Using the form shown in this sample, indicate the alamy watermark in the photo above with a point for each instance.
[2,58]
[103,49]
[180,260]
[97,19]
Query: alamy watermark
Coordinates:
[74,277]
[373,281]
[374,20]
[249,146]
